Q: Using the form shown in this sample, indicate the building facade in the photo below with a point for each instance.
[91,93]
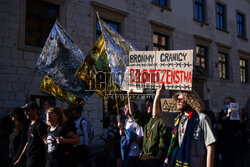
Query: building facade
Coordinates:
[217,30]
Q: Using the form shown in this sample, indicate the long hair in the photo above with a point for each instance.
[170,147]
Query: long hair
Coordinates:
[57,111]
[192,99]
[20,121]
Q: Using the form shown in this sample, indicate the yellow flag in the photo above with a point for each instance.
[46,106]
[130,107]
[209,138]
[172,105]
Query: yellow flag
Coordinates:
[48,86]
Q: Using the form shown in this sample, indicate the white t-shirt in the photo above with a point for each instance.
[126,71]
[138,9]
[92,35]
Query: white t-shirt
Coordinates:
[131,126]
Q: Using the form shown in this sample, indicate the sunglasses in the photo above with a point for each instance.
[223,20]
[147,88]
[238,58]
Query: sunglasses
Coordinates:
[180,100]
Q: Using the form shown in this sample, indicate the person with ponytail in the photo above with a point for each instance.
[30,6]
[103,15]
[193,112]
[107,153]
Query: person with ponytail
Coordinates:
[18,137]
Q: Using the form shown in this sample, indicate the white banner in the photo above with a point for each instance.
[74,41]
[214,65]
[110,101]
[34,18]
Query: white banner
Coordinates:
[150,69]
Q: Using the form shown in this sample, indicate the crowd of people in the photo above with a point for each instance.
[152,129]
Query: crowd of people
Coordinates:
[57,137]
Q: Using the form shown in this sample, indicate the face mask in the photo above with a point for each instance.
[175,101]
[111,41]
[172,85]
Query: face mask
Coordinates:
[226,107]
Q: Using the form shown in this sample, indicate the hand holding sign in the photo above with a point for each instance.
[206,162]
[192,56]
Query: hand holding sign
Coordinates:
[160,90]
[234,113]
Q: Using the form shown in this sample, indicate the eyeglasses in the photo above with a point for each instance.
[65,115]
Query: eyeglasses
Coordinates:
[180,100]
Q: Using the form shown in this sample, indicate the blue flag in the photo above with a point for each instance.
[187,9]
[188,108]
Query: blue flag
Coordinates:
[60,59]
[118,49]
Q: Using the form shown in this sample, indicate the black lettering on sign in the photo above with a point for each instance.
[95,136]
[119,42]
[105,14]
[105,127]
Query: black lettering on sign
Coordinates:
[173,57]
[168,105]
[140,58]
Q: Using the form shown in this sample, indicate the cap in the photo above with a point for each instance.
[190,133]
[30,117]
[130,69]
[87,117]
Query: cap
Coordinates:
[30,106]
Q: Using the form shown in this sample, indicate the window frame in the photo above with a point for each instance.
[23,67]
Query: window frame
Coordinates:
[30,15]
[167,41]
[224,16]
[22,24]
[162,29]
[203,11]
[246,70]
[202,56]
[167,7]
[108,13]
[159,3]
[223,63]
[107,21]
[243,24]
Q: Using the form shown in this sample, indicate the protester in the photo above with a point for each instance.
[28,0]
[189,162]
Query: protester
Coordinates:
[18,137]
[149,105]
[113,139]
[212,118]
[132,136]
[113,129]
[192,142]
[81,150]
[58,139]
[156,135]
[34,148]
[69,123]
[4,159]
[229,136]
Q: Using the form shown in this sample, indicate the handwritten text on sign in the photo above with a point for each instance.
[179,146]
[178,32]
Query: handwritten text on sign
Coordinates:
[168,105]
[150,69]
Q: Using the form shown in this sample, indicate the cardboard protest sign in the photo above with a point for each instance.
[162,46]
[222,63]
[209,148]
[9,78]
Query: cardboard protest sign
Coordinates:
[235,111]
[150,69]
[168,105]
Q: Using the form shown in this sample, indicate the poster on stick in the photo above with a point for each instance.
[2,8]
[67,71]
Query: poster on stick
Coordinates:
[150,69]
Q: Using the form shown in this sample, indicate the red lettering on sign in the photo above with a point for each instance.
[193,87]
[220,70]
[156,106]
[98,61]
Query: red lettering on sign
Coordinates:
[132,75]
[160,76]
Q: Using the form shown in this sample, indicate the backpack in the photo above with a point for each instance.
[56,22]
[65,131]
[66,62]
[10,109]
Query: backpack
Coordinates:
[90,130]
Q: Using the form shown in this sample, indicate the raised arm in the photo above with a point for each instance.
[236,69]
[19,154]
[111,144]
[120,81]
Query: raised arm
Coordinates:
[130,105]
[156,105]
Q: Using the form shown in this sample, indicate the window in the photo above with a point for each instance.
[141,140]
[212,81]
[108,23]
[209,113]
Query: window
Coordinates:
[160,41]
[223,66]
[114,25]
[199,10]
[201,56]
[240,25]
[220,17]
[162,2]
[40,18]
[243,70]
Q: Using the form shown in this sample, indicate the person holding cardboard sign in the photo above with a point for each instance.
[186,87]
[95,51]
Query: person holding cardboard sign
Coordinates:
[230,134]
[192,142]
[156,135]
